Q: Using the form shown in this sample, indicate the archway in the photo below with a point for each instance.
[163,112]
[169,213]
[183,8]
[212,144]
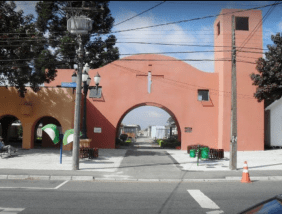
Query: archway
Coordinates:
[41,139]
[11,130]
[166,132]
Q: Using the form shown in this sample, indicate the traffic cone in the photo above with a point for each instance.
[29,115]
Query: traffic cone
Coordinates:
[246,176]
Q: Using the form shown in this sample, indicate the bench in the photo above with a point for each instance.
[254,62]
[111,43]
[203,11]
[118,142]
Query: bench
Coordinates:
[3,152]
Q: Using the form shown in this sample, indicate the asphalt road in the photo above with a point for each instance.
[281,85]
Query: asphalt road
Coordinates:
[132,197]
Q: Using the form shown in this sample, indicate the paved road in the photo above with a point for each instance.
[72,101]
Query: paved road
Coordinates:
[132,197]
[145,159]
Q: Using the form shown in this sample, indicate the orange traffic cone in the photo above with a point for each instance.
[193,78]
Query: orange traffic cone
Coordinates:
[246,176]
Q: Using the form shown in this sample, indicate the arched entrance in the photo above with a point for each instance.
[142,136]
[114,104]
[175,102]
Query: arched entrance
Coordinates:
[165,134]
[11,130]
[41,139]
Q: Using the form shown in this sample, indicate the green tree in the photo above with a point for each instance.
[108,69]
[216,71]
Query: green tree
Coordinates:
[22,51]
[269,79]
[52,19]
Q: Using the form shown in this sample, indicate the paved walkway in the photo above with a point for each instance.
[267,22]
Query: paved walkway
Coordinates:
[141,161]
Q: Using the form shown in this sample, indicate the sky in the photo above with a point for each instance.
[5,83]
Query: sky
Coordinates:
[176,35]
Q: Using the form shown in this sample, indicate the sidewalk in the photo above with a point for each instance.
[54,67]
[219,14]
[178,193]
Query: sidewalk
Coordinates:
[45,164]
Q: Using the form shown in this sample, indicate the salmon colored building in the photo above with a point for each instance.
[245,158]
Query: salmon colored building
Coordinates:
[199,102]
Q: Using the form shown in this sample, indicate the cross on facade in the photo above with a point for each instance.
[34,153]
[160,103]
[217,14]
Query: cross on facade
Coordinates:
[149,78]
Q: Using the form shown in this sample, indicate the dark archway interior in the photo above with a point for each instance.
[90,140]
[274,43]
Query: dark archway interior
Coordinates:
[41,139]
[11,131]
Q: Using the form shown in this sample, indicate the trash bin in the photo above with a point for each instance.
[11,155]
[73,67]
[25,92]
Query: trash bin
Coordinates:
[192,153]
[205,153]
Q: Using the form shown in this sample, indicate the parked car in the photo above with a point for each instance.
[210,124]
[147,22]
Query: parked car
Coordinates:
[269,206]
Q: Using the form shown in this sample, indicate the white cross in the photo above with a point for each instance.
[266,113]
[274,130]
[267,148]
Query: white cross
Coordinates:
[149,82]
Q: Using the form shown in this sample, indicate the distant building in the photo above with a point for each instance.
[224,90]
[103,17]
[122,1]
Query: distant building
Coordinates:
[273,124]
[158,132]
[131,130]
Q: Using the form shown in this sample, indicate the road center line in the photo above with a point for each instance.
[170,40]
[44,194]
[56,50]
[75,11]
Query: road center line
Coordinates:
[10,210]
[202,199]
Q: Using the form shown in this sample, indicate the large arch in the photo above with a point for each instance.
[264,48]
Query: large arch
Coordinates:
[10,133]
[149,104]
[175,86]
[45,142]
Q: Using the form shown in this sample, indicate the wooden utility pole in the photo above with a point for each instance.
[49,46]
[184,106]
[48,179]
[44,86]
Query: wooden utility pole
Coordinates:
[233,140]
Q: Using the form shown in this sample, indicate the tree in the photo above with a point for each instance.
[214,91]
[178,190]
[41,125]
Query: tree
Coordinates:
[52,19]
[170,121]
[22,51]
[269,79]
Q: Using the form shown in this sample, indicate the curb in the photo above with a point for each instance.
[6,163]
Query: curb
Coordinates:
[91,178]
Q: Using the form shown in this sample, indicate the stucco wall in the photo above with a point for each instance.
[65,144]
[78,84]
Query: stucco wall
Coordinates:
[124,85]
[250,113]
[48,102]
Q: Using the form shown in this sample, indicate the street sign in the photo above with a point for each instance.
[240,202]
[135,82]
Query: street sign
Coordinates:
[68,84]
[97,130]
[188,129]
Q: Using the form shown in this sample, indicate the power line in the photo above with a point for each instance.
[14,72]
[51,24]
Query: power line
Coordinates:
[139,14]
[170,60]
[181,84]
[257,26]
[195,19]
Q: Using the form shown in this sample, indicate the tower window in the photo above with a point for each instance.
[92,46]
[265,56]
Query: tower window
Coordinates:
[242,23]
[218,28]
[203,95]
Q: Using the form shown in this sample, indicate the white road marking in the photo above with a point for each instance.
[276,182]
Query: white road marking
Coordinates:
[57,187]
[202,199]
[215,212]
[9,210]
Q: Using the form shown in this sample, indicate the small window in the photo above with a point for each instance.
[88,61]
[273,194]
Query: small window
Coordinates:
[218,28]
[203,95]
[242,23]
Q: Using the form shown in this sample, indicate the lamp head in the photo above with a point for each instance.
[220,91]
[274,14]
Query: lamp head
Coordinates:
[88,80]
[74,77]
[97,79]
[84,76]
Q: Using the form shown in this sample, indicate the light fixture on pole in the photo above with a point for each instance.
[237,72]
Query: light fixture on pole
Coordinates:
[97,79]
[78,25]
[86,81]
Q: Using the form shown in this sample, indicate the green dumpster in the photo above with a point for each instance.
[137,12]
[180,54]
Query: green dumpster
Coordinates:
[205,153]
[192,153]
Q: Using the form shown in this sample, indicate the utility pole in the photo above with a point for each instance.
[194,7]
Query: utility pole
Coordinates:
[233,140]
[75,159]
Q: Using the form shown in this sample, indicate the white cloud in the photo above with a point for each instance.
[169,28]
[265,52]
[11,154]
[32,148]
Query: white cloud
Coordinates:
[172,34]
[167,34]
[280,26]
[153,114]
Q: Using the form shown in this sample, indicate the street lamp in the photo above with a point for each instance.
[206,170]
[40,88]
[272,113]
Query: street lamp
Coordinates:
[86,82]
[78,25]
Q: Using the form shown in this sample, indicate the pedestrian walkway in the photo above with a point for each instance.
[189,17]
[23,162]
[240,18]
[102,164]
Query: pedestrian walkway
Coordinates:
[142,160]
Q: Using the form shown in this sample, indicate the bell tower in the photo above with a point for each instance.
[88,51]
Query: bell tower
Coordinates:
[248,42]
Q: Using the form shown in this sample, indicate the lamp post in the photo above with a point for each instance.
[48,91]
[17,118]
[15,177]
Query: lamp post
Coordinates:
[78,25]
[86,81]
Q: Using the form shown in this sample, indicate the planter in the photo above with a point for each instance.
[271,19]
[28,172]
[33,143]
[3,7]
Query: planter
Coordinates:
[84,143]
[178,147]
